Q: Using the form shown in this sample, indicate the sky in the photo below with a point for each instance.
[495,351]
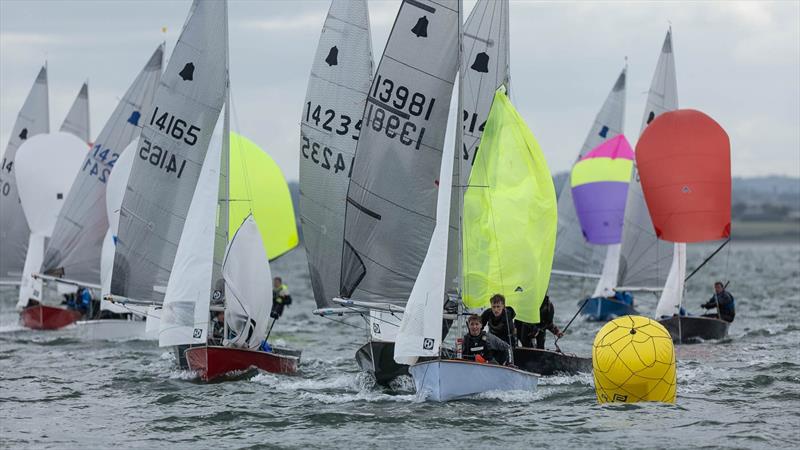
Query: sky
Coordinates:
[739,62]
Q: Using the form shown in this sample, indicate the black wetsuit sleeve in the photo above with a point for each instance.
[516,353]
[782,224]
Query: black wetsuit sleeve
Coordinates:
[485,316]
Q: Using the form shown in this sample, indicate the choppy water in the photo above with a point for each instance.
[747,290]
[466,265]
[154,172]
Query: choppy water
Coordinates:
[60,392]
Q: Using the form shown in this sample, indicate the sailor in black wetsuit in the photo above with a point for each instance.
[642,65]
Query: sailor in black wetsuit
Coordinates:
[500,320]
[280,298]
[723,301]
[527,332]
[481,346]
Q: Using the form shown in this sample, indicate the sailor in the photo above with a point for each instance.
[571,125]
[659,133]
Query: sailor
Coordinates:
[527,332]
[723,301]
[217,328]
[280,298]
[83,300]
[481,346]
[500,319]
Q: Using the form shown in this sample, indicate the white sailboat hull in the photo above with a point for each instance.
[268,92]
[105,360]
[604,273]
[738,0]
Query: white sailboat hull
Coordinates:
[113,329]
[445,380]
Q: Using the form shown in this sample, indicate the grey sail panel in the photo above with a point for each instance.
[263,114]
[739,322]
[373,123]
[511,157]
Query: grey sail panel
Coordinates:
[338,85]
[33,119]
[573,253]
[391,200]
[77,120]
[485,66]
[75,247]
[644,259]
[171,151]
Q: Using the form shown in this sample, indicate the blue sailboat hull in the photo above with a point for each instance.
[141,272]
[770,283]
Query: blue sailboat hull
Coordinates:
[603,309]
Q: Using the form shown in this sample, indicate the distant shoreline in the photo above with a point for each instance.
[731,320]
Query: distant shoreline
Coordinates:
[766,231]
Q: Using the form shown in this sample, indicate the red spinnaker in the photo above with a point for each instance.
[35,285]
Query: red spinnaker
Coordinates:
[684,163]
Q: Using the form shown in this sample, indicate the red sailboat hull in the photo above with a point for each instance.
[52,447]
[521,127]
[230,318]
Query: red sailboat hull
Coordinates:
[212,361]
[42,317]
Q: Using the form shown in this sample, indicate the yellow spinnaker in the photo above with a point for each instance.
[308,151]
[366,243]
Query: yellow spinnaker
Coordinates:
[257,184]
[510,217]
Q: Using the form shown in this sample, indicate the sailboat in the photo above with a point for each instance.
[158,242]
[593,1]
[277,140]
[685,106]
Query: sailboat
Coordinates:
[41,201]
[510,188]
[386,260]
[391,197]
[33,119]
[685,166]
[45,167]
[589,222]
[184,259]
[73,253]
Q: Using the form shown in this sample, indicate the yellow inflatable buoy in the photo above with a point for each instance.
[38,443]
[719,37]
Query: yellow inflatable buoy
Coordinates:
[634,361]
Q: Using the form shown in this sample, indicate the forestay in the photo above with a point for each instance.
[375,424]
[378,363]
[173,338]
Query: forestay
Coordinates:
[171,152]
[248,282]
[33,119]
[391,201]
[510,217]
[75,247]
[573,253]
[77,120]
[484,67]
[644,259]
[329,131]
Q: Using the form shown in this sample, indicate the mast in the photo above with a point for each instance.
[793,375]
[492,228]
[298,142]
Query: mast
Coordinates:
[457,164]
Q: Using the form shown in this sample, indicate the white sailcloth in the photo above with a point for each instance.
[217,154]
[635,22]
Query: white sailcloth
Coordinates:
[337,90]
[33,119]
[420,331]
[573,253]
[77,120]
[172,151]
[115,191]
[247,287]
[45,166]
[185,314]
[644,258]
[671,298]
[74,249]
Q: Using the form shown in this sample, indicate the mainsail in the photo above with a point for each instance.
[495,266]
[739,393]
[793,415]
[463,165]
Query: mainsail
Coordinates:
[573,253]
[329,131]
[77,120]
[644,259]
[74,250]
[391,200]
[33,119]
[484,67]
[171,153]
[510,217]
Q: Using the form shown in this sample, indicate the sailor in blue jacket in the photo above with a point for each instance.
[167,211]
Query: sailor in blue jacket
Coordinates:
[723,301]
